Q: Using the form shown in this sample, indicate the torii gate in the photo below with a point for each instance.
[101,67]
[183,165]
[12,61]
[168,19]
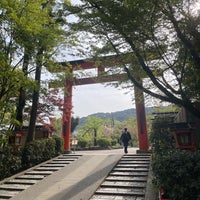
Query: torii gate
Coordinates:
[100,78]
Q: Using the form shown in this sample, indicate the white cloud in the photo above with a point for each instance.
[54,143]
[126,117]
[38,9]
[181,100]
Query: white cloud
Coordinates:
[89,99]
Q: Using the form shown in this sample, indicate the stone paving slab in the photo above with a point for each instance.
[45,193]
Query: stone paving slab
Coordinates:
[8,194]
[121,191]
[53,165]
[130,169]
[47,168]
[45,173]
[110,197]
[60,162]
[144,174]
[136,159]
[134,162]
[126,178]
[133,165]
[123,184]
[14,187]
[63,159]
[21,181]
[32,177]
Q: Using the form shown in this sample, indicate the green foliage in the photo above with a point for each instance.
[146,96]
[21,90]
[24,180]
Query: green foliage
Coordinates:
[114,142]
[49,150]
[74,123]
[83,142]
[160,137]
[13,159]
[177,171]
[146,34]
[31,33]
[103,142]
[59,145]
[38,151]
[10,161]
[33,153]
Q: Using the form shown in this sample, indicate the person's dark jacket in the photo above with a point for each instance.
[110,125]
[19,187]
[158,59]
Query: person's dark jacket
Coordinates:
[125,137]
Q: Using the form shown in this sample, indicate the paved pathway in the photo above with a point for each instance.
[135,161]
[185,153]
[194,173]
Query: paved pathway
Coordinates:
[78,180]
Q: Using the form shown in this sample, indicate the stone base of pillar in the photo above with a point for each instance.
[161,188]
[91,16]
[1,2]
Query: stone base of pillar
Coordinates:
[67,151]
[143,151]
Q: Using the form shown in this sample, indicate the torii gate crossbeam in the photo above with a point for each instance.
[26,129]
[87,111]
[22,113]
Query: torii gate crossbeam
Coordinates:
[67,110]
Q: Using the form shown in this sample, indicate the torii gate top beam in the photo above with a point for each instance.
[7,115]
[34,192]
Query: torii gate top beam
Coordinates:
[100,65]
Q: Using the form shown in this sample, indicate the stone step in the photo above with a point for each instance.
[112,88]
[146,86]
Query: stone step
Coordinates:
[130,169]
[137,156]
[21,181]
[134,159]
[5,194]
[133,165]
[14,187]
[114,197]
[63,159]
[72,155]
[126,178]
[59,162]
[44,173]
[30,177]
[53,165]
[47,168]
[122,184]
[136,174]
[121,192]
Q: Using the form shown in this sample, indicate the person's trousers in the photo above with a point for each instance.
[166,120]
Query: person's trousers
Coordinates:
[125,149]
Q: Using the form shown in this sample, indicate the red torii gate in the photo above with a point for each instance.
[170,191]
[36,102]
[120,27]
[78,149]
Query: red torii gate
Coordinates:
[100,78]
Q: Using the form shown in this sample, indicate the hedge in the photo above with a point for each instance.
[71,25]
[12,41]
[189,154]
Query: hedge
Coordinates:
[178,173]
[175,170]
[13,160]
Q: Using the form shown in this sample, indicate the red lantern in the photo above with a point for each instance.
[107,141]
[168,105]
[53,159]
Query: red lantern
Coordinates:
[185,139]
[18,138]
[184,135]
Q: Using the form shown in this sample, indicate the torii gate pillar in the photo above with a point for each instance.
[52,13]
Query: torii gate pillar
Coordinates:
[141,119]
[67,110]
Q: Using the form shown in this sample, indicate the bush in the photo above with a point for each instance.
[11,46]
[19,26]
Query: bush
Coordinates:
[38,151]
[82,142]
[49,150]
[33,153]
[161,139]
[13,159]
[114,142]
[10,161]
[59,145]
[175,170]
[178,173]
[103,142]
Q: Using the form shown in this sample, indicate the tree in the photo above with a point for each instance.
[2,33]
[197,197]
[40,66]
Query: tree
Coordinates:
[92,127]
[74,123]
[30,36]
[11,76]
[160,40]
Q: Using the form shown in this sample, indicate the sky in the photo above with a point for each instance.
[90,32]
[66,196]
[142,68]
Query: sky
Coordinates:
[93,98]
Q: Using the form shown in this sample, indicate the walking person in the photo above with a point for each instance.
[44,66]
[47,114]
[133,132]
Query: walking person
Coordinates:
[125,138]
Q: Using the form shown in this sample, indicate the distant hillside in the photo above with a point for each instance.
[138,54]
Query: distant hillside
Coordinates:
[119,115]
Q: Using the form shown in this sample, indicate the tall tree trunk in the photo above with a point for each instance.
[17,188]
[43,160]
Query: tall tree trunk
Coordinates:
[35,97]
[22,95]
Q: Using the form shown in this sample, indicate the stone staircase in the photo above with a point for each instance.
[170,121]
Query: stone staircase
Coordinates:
[12,186]
[127,180]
